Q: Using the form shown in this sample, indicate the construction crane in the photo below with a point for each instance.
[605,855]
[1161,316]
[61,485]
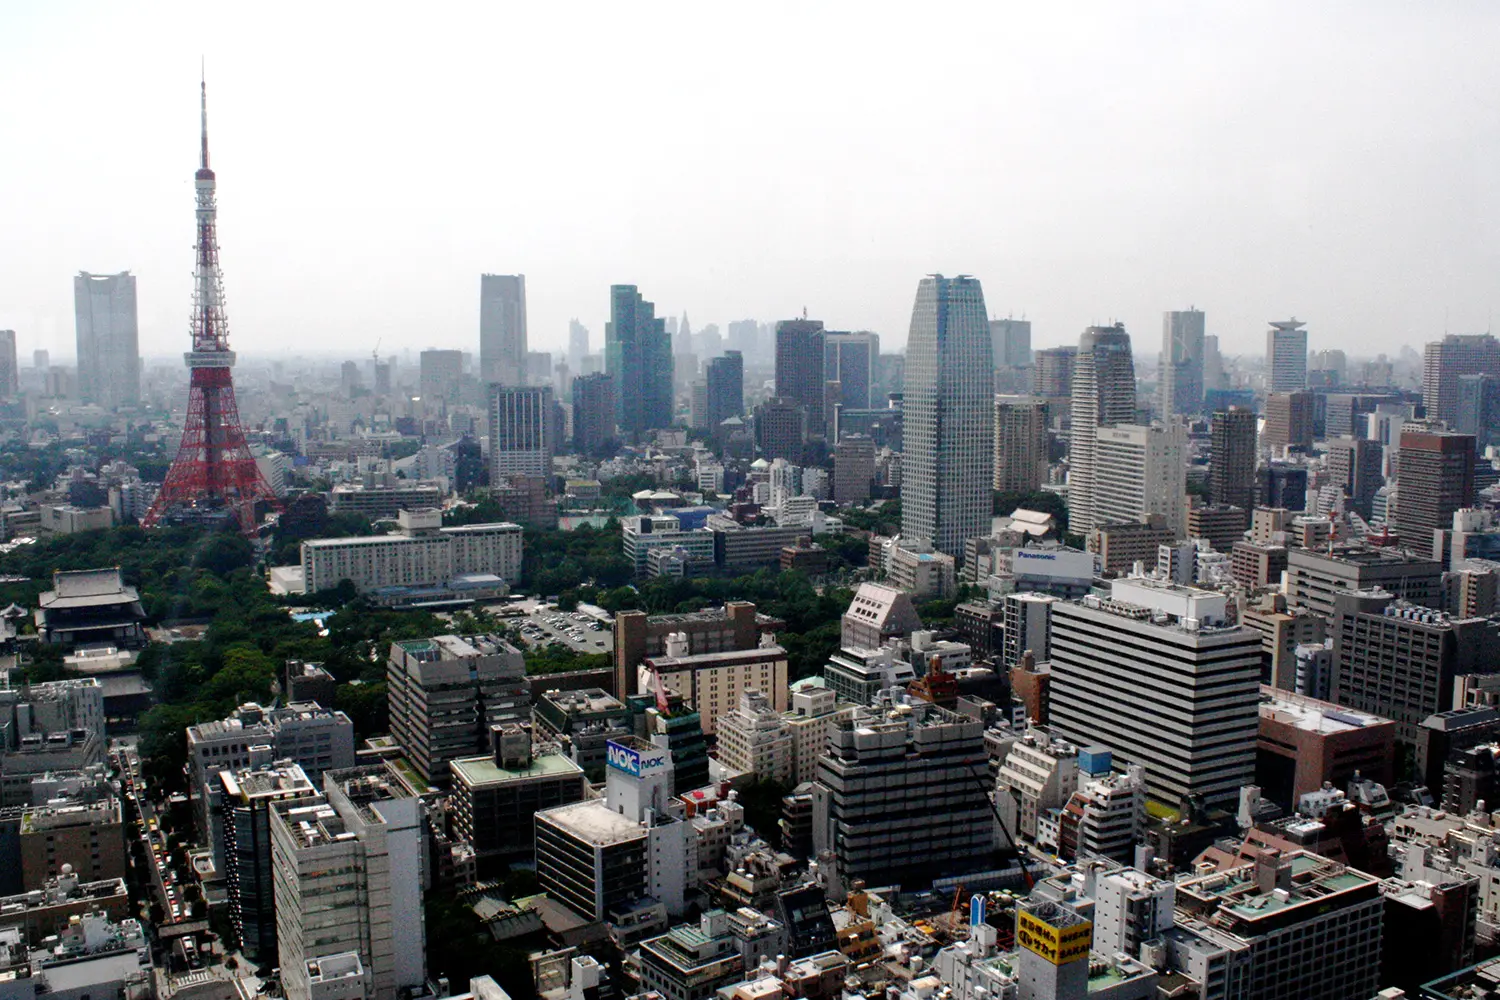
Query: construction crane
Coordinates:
[1020,854]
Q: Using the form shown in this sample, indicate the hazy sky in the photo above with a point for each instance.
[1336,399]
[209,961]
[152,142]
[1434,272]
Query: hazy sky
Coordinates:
[1086,162]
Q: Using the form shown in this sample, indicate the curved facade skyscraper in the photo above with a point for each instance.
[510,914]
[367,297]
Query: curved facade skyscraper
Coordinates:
[1103,395]
[948,466]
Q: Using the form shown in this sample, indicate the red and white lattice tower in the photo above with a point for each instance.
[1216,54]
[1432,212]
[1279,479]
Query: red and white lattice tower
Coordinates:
[214,474]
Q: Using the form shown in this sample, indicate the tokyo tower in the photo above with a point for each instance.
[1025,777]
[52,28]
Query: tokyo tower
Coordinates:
[214,476]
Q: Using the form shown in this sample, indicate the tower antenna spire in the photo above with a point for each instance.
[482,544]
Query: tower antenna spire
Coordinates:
[203,89]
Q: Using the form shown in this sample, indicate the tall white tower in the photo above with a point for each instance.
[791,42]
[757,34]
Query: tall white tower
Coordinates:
[1286,356]
[502,328]
[1181,384]
[1103,395]
[950,417]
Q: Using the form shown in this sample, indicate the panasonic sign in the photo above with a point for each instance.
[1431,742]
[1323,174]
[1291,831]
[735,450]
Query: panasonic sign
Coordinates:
[634,762]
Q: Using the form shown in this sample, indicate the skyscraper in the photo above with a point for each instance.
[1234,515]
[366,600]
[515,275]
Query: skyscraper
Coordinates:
[1140,471]
[1445,361]
[781,429]
[578,344]
[1231,468]
[853,469]
[439,378]
[1434,479]
[948,466]
[799,368]
[521,439]
[1289,421]
[1020,442]
[1286,356]
[10,375]
[593,412]
[1010,342]
[502,328]
[1103,395]
[1181,383]
[638,356]
[109,360]
[1477,413]
[1165,653]
[1052,374]
[1354,463]
[849,360]
[725,378]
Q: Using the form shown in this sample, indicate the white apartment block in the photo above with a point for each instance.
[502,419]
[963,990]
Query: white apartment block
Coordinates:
[754,739]
[422,552]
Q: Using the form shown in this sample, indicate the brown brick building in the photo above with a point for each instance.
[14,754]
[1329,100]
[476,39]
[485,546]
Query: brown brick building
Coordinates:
[1304,742]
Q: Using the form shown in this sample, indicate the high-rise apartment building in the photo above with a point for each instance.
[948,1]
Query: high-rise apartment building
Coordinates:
[800,359]
[502,328]
[1052,372]
[1181,382]
[1289,421]
[10,372]
[593,412]
[440,378]
[1286,356]
[1231,470]
[1354,464]
[521,431]
[1164,653]
[1140,471]
[1103,395]
[1478,411]
[446,692]
[1020,443]
[348,877]
[109,356]
[1010,342]
[853,469]
[948,465]
[903,793]
[638,356]
[1398,660]
[1446,361]
[849,360]
[725,386]
[1434,480]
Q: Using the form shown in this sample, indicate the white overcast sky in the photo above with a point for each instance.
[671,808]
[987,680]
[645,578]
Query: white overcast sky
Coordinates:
[1333,161]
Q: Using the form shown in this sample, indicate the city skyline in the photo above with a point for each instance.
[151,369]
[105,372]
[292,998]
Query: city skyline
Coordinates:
[391,258]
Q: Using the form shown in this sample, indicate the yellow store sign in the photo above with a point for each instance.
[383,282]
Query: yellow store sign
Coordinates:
[1058,945]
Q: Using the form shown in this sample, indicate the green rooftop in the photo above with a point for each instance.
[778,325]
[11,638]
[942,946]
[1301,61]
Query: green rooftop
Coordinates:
[484,771]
